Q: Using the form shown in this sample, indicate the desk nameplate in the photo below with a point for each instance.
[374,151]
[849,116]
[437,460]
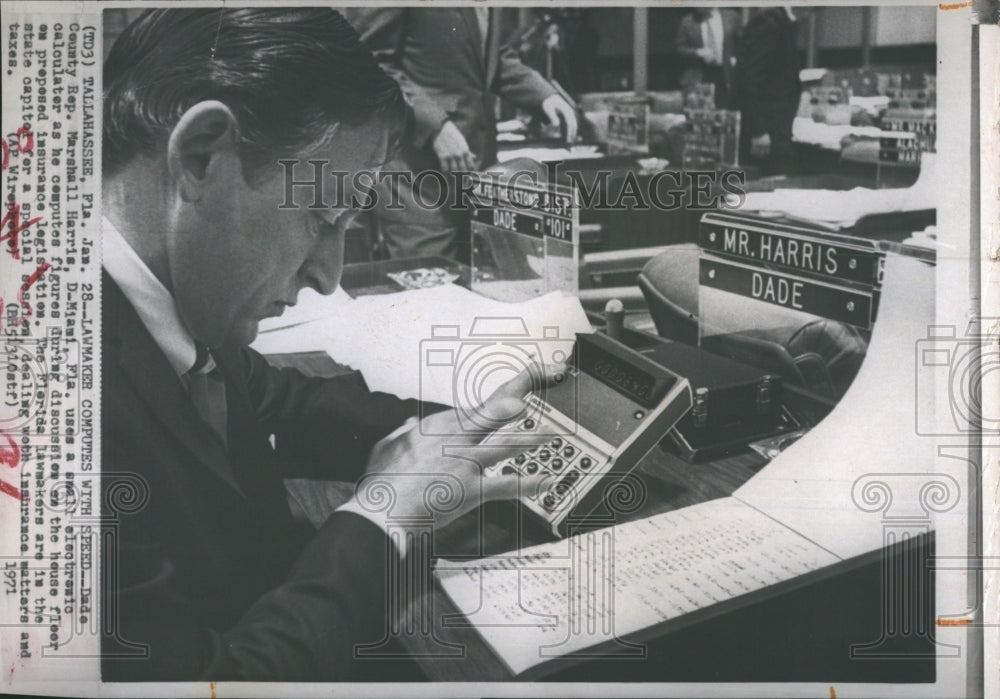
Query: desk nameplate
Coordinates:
[628,126]
[830,301]
[831,259]
[528,222]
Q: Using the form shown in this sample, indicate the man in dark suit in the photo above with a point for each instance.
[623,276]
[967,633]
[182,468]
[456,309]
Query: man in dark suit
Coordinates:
[207,574]
[768,89]
[450,64]
[706,39]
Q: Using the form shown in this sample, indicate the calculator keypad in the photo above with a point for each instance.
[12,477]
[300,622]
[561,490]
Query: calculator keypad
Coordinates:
[564,458]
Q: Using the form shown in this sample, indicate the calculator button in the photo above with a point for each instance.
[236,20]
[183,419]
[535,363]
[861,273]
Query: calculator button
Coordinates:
[544,455]
[572,477]
[508,470]
[549,501]
[562,487]
[557,442]
[586,462]
[519,459]
[569,451]
[528,424]
[532,467]
[556,464]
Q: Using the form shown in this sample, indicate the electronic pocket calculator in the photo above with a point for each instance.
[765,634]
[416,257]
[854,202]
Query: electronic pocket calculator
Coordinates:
[613,406]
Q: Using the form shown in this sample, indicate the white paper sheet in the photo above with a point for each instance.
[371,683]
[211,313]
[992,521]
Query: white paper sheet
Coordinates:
[445,344]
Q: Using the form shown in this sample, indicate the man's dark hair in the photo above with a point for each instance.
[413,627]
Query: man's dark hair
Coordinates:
[288,75]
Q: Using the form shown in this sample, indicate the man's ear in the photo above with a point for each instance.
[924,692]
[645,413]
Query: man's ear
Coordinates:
[202,140]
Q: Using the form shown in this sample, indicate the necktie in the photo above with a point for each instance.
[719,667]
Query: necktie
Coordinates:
[483,18]
[208,393]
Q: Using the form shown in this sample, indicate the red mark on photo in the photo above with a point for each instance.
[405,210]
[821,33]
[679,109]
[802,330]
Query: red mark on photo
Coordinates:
[25,144]
[13,227]
[26,310]
[10,455]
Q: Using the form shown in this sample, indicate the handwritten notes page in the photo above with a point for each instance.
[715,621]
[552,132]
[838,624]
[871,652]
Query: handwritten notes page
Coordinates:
[582,594]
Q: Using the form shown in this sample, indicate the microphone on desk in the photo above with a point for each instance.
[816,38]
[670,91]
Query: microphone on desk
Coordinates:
[614,319]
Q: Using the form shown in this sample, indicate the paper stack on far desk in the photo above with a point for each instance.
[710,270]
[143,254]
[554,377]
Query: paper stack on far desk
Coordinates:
[844,208]
[383,336]
[829,136]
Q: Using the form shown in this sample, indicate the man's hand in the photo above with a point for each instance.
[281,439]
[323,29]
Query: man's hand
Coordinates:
[559,110]
[760,146]
[705,54]
[452,149]
[438,462]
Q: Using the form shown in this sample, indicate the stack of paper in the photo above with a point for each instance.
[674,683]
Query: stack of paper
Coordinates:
[829,136]
[844,208]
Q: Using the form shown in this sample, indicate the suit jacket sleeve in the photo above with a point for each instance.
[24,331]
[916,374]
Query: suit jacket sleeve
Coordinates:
[688,36]
[304,628]
[312,418]
[518,83]
[383,31]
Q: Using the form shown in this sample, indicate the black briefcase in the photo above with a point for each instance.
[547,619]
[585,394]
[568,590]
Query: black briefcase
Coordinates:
[733,403]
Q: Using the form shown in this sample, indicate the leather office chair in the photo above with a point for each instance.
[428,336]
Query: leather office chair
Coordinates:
[669,282]
[820,355]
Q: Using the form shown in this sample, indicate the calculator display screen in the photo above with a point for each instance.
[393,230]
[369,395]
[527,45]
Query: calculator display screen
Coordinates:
[625,373]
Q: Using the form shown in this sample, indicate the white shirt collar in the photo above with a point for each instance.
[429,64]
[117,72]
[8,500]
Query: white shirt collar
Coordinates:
[150,299]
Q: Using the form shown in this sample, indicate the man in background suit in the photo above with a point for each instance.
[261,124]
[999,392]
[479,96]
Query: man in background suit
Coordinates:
[450,65]
[706,38]
[209,575]
[768,89]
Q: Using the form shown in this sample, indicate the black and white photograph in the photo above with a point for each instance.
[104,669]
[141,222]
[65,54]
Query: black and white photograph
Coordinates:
[500,349]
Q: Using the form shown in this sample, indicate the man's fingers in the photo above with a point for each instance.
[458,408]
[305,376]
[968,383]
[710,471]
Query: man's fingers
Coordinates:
[512,486]
[506,403]
[570,117]
[498,410]
[534,377]
[549,107]
[470,161]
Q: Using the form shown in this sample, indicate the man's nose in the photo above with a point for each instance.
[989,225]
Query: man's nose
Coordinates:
[325,263]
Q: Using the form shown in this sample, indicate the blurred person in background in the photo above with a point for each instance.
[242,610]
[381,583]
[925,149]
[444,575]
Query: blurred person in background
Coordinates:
[707,40]
[450,65]
[768,89]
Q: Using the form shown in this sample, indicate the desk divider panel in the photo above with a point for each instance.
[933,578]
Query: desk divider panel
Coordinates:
[525,236]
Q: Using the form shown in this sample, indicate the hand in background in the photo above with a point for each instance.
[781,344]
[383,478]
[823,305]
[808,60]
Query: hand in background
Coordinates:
[452,149]
[558,110]
[760,146]
[705,54]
